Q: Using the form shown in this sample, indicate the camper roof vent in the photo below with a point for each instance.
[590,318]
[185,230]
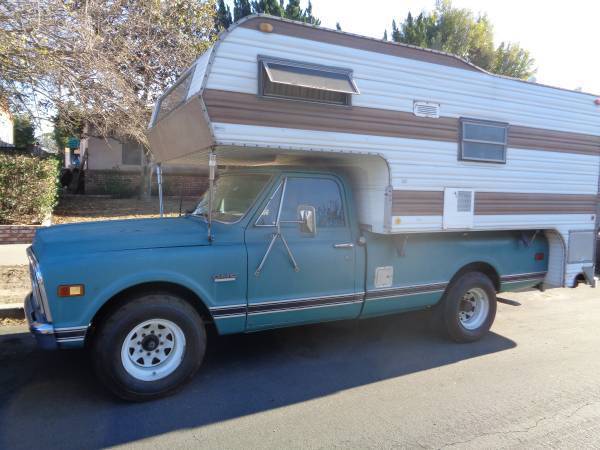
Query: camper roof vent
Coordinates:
[426,109]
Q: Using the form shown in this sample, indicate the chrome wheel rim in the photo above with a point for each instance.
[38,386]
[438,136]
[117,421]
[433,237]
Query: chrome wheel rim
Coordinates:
[153,349]
[474,308]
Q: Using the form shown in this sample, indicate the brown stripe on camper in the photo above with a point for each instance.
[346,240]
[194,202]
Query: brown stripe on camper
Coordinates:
[489,203]
[248,109]
[431,203]
[417,203]
[557,141]
[301,31]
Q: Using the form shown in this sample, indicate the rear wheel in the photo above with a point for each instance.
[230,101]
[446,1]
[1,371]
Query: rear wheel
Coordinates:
[149,347]
[469,307]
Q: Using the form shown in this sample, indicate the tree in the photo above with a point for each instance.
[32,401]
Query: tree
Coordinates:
[241,9]
[461,32]
[293,11]
[271,7]
[308,16]
[109,58]
[223,18]
[512,60]
[385,36]
[23,131]
[396,36]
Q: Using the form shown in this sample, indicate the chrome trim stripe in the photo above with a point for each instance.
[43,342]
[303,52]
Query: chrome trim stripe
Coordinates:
[522,280]
[69,334]
[405,290]
[285,305]
[72,328]
[78,339]
[224,280]
[523,276]
[271,311]
[302,303]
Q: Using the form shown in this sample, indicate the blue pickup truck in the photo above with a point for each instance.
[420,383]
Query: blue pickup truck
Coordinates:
[285,248]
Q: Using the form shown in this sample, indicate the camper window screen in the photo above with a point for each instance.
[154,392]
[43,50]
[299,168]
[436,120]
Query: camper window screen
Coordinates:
[301,81]
[483,141]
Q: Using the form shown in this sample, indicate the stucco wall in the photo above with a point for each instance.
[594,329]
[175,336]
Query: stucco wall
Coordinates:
[6,128]
[105,154]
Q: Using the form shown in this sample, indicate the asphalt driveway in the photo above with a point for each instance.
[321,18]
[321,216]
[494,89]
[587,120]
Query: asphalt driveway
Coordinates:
[390,382]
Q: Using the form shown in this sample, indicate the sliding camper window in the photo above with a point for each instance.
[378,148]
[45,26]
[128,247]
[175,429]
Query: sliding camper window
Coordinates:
[482,140]
[302,81]
[174,96]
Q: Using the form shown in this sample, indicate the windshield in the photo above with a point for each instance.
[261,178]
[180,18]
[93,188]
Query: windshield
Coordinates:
[233,196]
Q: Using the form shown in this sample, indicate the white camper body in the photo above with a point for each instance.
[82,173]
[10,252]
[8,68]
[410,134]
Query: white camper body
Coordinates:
[430,142]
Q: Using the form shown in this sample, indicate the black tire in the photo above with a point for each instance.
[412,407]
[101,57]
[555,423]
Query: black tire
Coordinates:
[450,307]
[108,342]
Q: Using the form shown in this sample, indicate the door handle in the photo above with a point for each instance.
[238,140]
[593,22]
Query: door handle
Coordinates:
[344,245]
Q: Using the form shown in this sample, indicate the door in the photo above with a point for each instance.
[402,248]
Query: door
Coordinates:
[297,274]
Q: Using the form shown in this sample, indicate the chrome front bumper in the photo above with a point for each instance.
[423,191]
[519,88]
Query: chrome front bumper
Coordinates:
[41,330]
[47,336]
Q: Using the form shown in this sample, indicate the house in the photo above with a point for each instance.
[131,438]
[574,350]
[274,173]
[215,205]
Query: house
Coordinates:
[116,166]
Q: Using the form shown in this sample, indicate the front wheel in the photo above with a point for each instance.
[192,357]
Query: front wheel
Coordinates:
[469,307]
[149,347]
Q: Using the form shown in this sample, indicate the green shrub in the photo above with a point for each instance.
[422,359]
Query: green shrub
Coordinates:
[28,188]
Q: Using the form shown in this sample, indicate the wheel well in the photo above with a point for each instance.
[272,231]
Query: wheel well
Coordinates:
[172,288]
[580,278]
[482,267]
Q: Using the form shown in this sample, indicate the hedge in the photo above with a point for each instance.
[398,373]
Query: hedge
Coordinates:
[28,188]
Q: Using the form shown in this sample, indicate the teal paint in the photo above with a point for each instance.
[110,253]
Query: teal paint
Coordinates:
[109,257]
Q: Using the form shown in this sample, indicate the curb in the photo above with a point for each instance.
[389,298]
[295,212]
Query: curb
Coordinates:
[12,311]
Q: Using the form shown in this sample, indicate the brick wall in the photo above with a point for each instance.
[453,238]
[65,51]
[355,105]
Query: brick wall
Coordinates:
[127,183]
[17,234]
[112,182]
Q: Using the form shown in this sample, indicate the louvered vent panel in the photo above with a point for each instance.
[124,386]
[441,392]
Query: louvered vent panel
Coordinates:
[464,199]
[426,109]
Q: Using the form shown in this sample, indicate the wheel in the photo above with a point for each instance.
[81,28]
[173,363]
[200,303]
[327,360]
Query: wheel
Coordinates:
[469,307]
[149,347]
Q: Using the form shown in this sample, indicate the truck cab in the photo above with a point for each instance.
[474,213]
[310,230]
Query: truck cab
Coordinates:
[273,247]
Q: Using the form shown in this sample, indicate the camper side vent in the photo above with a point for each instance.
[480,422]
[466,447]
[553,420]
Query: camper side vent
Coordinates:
[426,109]
[458,208]
[463,201]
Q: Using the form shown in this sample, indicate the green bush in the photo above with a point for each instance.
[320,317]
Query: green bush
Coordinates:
[28,188]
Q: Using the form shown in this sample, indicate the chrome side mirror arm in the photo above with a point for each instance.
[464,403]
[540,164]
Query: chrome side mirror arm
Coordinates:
[278,235]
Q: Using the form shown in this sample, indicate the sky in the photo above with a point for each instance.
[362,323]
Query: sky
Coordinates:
[562,36]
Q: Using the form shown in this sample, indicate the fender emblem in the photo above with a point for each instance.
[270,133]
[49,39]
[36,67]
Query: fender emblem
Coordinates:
[223,277]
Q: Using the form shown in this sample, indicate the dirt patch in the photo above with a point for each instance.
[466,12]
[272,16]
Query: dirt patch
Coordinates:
[12,322]
[85,208]
[14,283]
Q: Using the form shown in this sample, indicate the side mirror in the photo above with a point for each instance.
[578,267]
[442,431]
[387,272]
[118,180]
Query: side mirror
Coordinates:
[308,219]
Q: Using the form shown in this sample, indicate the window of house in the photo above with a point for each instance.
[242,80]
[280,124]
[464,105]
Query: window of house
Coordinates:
[302,81]
[483,140]
[131,153]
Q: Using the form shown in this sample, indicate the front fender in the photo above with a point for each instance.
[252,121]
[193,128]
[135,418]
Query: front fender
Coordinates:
[108,274]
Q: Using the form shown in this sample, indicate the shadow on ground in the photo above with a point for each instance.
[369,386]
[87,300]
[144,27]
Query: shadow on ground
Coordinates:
[54,397]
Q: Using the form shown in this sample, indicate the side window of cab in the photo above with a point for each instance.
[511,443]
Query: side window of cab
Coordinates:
[321,193]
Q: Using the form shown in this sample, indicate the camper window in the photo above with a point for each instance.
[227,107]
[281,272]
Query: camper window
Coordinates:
[482,140]
[174,97]
[301,81]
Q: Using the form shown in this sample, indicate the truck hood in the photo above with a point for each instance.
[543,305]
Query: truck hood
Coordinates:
[106,236]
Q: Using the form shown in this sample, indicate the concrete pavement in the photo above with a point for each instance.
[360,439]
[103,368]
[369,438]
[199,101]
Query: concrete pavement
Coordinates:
[13,254]
[389,382]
